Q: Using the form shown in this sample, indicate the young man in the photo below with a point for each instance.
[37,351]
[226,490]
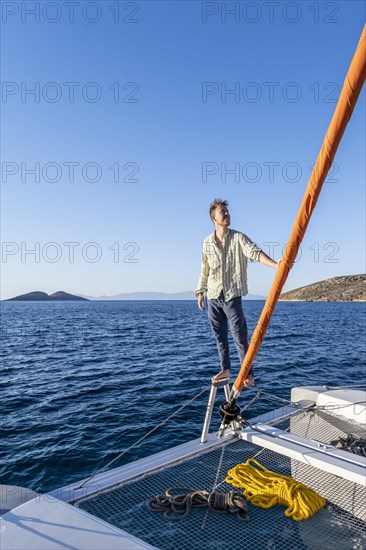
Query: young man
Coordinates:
[224,279]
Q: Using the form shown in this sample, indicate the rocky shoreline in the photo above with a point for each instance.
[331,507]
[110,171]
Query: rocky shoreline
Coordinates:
[348,288]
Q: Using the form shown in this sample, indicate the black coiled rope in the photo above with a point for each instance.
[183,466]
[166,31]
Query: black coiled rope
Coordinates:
[178,502]
[352,444]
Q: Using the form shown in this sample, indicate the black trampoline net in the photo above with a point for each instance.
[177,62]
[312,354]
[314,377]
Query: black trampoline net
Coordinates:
[340,525]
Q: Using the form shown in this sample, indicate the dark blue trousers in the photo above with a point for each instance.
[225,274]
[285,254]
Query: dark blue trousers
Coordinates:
[220,314]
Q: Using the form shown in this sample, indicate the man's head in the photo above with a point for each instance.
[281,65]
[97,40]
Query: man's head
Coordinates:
[219,212]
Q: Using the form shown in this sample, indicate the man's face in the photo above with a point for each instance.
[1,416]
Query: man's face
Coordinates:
[221,215]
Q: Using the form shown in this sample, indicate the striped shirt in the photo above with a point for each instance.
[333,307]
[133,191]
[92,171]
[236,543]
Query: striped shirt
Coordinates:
[226,269]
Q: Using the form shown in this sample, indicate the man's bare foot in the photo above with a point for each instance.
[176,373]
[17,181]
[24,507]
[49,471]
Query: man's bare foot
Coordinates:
[249,381]
[222,374]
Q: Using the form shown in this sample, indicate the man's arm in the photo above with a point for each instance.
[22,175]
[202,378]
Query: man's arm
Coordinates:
[202,283]
[266,260]
[255,254]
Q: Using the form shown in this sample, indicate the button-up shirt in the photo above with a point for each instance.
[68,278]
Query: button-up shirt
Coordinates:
[225,269]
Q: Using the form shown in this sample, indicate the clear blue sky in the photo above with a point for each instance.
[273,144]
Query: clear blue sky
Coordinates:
[172,131]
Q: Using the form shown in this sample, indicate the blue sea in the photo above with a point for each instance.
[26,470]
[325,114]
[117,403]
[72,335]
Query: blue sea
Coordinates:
[82,381]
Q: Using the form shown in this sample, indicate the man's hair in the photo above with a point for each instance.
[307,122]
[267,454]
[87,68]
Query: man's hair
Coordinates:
[217,202]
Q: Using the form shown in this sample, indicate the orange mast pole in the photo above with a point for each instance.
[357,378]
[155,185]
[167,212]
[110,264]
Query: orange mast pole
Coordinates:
[347,100]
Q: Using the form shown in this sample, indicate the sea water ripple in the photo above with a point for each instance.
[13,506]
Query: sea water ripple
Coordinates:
[82,381]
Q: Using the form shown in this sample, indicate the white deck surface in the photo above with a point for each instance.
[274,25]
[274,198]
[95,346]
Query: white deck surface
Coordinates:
[46,523]
[347,402]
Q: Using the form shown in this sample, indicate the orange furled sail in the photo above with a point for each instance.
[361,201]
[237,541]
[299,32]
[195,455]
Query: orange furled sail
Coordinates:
[347,100]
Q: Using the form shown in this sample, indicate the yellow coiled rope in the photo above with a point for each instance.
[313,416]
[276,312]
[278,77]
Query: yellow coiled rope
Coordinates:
[265,489]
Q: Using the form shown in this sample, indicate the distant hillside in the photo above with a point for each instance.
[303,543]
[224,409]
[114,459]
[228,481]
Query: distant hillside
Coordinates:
[349,288]
[37,296]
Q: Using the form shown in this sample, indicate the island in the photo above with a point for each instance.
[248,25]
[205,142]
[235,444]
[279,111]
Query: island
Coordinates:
[38,296]
[347,288]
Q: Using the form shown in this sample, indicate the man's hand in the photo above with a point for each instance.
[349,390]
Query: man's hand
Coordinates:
[201,302]
[283,259]
[279,261]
